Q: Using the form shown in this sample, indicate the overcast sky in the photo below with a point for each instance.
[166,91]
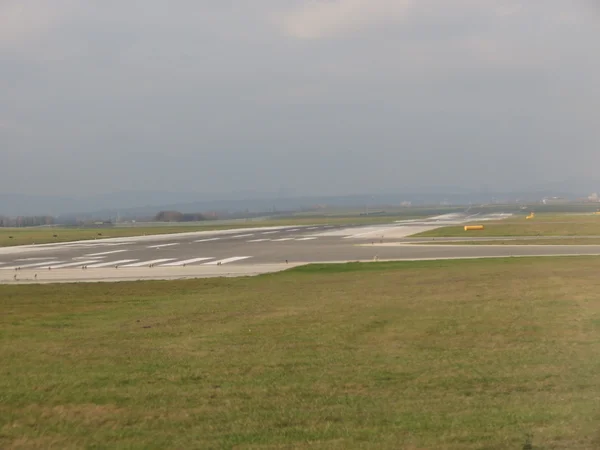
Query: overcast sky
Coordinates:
[312,96]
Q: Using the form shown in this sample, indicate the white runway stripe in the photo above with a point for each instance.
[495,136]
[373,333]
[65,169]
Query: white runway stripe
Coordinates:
[270,232]
[259,240]
[34,259]
[78,263]
[163,245]
[77,245]
[306,239]
[147,263]
[243,235]
[283,239]
[208,240]
[294,229]
[26,266]
[226,260]
[90,245]
[187,261]
[312,228]
[111,263]
[106,253]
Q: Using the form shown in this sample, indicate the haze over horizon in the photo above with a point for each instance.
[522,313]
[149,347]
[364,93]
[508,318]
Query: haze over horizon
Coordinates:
[312,97]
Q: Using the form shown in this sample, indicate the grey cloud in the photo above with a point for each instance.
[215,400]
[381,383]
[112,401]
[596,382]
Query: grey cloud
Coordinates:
[216,96]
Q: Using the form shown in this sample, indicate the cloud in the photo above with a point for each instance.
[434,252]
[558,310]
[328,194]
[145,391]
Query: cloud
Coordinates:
[86,87]
[12,128]
[23,21]
[326,18]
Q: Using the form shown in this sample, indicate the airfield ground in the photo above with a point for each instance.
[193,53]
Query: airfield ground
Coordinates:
[556,240]
[439,354]
[48,235]
[457,354]
[553,225]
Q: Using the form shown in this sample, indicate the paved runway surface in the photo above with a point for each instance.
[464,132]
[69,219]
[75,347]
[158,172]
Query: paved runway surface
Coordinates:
[251,251]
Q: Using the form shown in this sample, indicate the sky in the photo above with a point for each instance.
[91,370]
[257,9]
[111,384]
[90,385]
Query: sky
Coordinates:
[299,96]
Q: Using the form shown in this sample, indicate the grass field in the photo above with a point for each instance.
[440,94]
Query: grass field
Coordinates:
[43,235]
[573,241]
[543,241]
[542,225]
[448,355]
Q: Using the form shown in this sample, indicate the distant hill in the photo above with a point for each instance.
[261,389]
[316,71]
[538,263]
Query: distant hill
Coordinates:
[148,203]
[22,204]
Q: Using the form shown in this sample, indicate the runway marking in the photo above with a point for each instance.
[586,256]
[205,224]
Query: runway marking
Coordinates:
[227,260]
[208,240]
[242,235]
[294,229]
[259,240]
[77,245]
[312,228]
[26,266]
[78,263]
[163,245]
[95,258]
[147,263]
[283,239]
[100,244]
[307,239]
[270,232]
[378,231]
[187,261]
[111,263]
[106,253]
[34,259]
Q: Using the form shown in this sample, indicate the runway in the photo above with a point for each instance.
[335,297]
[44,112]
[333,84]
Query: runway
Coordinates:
[245,252]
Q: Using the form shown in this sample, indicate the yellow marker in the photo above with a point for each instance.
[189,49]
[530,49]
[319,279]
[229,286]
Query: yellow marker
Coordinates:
[473,227]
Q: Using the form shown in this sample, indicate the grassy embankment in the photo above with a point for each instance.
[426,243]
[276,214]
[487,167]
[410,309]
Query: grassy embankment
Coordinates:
[454,355]
[541,226]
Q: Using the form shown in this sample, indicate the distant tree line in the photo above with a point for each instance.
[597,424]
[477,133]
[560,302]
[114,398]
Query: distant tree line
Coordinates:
[26,221]
[176,216]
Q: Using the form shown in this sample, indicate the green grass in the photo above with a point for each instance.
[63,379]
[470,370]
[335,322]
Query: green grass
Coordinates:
[541,225]
[43,235]
[563,218]
[449,355]
[549,241]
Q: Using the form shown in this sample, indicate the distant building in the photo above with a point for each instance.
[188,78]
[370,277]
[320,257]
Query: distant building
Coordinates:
[594,197]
